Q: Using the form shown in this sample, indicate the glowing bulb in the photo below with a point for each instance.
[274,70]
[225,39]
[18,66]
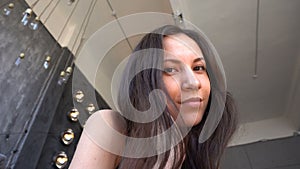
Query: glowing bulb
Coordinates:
[68,72]
[19,59]
[47,62]
[178,17]
[91,108]
[73,115]
[60,159]
[34,25]
[67,136]
[7,9]
[62,78]
[79,96]
[26,16]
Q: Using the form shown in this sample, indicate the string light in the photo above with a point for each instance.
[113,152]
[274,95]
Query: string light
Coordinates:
[68,72]
[34,25]
[91,108]
[62,78]
[26,16]
[83,27]
[60,160]
[8,9]
[47,62]
[73,115]
[79,96]
[67,136]
[19,59]
[28,13]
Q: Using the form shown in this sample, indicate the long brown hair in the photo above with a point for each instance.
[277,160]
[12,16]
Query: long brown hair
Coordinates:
[189,152]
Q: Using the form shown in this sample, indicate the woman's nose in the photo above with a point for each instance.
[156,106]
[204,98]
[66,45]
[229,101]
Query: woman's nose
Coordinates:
[190,81]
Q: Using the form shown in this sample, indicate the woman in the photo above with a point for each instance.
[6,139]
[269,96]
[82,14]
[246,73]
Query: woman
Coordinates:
[173,97]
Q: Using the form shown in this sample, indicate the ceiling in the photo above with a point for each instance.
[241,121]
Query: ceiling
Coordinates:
[251,37]
[235,30]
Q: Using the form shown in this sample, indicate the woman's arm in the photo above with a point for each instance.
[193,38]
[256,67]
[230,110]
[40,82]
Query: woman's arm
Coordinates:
[97,139]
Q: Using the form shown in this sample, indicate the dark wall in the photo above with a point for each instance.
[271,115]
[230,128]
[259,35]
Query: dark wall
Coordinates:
[61,121]
[281,153]
[34,137]
[33,106]
[29,92]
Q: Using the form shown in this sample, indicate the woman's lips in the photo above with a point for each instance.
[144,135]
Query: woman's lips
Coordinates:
[194,102]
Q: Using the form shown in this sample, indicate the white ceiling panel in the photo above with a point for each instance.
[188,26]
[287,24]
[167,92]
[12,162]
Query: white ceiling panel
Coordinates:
[231,25]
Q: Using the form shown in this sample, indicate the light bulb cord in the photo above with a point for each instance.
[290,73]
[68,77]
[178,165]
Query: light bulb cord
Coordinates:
[51,12]
[34,4]
[83,30]
[46,7]
[120,25]
[64,26]
[255,75]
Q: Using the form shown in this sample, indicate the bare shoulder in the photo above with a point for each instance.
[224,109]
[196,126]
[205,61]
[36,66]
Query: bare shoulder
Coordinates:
[113,118]
[102,141]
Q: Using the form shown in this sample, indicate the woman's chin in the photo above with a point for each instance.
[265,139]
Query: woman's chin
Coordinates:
[188,116]
[191,118]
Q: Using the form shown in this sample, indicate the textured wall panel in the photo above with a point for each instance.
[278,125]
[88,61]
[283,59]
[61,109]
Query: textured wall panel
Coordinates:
[61,121]
[28,91]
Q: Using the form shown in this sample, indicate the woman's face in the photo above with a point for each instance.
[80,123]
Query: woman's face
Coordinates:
[186,78]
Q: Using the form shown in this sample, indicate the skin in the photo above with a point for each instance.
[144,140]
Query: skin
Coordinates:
[90,155]
[185,78]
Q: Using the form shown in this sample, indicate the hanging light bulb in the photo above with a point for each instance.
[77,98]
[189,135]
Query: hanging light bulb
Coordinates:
[62,78]
[26,16]
[20,58]
[68,72]
[8,8]
[91,108]
[178,18]
[64,75]
[73,115]
[34,25]
[67,136]
[47,62]
[60,160]
[79,96]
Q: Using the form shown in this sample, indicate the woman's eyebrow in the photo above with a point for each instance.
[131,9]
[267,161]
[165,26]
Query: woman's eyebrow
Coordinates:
[173,60]
[199,59]
[178,61]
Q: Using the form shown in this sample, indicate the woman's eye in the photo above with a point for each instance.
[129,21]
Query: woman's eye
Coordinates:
[170,70]
[199,68]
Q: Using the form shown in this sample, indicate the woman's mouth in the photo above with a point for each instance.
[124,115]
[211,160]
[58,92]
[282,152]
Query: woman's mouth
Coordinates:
[194,102]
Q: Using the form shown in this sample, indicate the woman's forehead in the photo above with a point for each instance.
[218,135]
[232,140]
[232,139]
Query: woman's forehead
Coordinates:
[181,45]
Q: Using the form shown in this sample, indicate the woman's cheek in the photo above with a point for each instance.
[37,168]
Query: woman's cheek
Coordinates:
[172,87]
